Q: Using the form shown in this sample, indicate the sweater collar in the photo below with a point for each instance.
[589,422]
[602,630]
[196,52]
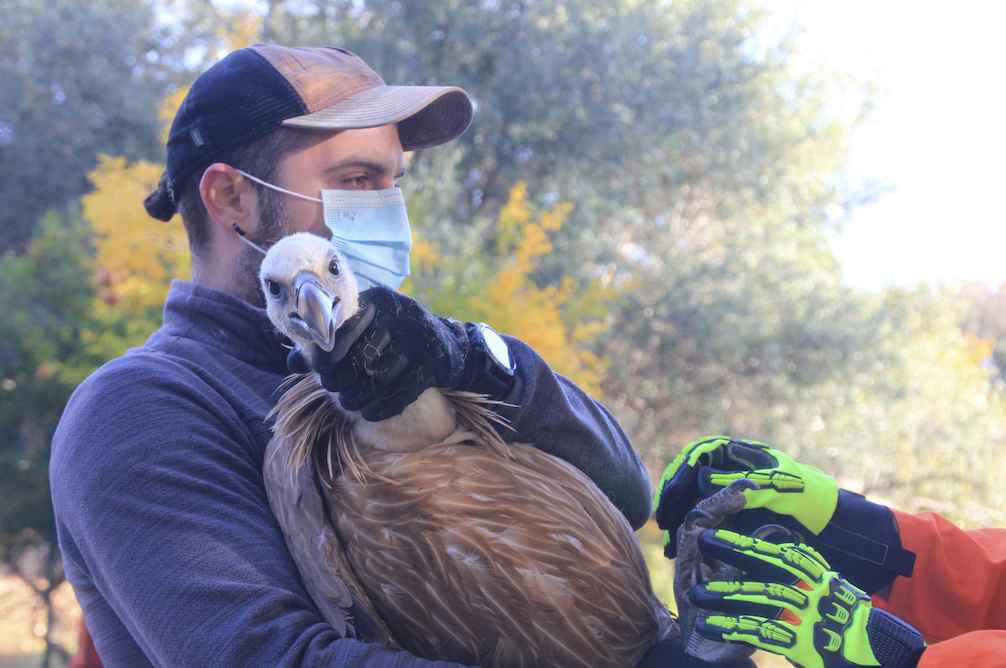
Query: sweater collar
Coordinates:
[225,322]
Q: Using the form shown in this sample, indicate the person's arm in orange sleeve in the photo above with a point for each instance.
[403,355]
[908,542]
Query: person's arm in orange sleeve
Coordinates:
[958,584]
[981,649]
[954,596]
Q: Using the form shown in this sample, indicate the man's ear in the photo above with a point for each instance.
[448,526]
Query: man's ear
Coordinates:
[229,197]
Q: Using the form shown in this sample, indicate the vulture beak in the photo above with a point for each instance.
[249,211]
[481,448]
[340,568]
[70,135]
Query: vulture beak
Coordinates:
[317,311]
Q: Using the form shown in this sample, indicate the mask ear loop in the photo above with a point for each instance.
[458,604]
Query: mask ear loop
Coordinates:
[241,233]
[277,188]
[244,238]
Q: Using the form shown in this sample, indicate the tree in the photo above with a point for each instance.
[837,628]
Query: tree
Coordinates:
[82,79]
[135,256]
[87,287]
[75,80]
[706,171]
[987,321]
[44,353]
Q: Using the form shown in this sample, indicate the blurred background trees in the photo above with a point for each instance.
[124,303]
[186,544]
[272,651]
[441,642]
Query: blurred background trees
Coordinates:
[647,195]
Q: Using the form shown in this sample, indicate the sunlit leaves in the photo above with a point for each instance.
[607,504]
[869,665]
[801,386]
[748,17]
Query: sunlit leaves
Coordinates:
[559,320]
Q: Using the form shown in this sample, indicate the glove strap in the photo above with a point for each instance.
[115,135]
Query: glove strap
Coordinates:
[862,543]
[494,366]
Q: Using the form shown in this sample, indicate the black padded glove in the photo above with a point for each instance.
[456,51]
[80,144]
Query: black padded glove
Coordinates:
[389,353]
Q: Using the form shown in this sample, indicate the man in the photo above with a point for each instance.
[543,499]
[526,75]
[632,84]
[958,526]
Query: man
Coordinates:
[156,467]
[810,599]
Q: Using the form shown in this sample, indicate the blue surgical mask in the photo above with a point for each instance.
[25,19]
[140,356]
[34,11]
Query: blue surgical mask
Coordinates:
[371,230]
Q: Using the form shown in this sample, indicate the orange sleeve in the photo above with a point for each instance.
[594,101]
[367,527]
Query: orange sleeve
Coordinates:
[958,586]
[981,649]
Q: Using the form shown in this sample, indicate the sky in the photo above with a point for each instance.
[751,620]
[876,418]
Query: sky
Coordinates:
[937,136]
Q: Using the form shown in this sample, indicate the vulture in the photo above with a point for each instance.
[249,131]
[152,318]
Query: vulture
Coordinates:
[427,531]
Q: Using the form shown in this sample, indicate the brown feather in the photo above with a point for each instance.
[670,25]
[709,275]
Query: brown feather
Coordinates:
[476,550]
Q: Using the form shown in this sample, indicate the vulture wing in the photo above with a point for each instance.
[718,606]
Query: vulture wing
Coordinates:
[297,503]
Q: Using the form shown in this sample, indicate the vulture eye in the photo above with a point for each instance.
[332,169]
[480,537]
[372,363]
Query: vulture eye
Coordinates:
[333,267]
[273,287]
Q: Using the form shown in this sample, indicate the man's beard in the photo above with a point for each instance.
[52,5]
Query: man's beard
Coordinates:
[274,224]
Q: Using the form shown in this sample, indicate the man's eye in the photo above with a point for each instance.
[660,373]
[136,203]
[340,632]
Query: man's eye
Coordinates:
[333,267]
[273,288]
[355,182]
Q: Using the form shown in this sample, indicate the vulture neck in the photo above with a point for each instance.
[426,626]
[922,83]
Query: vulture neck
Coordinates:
[426,421]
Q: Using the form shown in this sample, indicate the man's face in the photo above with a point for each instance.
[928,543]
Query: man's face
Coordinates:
[367,159]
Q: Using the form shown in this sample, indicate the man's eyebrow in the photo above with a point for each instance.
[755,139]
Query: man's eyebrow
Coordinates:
[375,167]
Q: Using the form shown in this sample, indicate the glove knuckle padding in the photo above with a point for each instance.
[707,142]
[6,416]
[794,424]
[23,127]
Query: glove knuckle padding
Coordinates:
[787,488]
[678,490]
[837,625]
[763,560]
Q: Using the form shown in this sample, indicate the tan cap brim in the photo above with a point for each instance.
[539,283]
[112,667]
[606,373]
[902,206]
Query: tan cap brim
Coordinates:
[426,115]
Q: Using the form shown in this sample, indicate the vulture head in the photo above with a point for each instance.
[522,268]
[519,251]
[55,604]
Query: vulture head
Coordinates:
[309,292]
[308,289]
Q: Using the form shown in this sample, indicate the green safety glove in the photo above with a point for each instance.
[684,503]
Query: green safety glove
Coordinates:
[796,606]
[710,464]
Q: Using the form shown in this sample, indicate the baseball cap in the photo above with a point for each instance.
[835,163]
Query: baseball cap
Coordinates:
[258,88]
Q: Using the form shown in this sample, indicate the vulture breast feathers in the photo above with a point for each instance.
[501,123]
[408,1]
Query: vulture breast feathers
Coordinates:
[427,531]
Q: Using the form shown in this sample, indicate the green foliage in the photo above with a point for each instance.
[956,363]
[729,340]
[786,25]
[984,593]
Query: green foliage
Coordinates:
[700,166]
[78,79]
[45,294]
[919,423]
[74,81]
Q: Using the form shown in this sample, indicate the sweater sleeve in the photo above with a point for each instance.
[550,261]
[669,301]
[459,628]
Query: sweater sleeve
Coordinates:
[166,531]
[551,412]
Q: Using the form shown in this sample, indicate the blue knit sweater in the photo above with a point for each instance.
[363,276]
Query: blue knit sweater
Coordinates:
[161,510]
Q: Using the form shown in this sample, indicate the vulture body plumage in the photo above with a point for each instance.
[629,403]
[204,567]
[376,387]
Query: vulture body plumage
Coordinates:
[427,531]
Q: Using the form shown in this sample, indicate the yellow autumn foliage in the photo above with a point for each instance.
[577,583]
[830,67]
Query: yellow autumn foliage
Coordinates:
[166,114]
[136,256]
[558,321]
[243,29]
[975,350]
